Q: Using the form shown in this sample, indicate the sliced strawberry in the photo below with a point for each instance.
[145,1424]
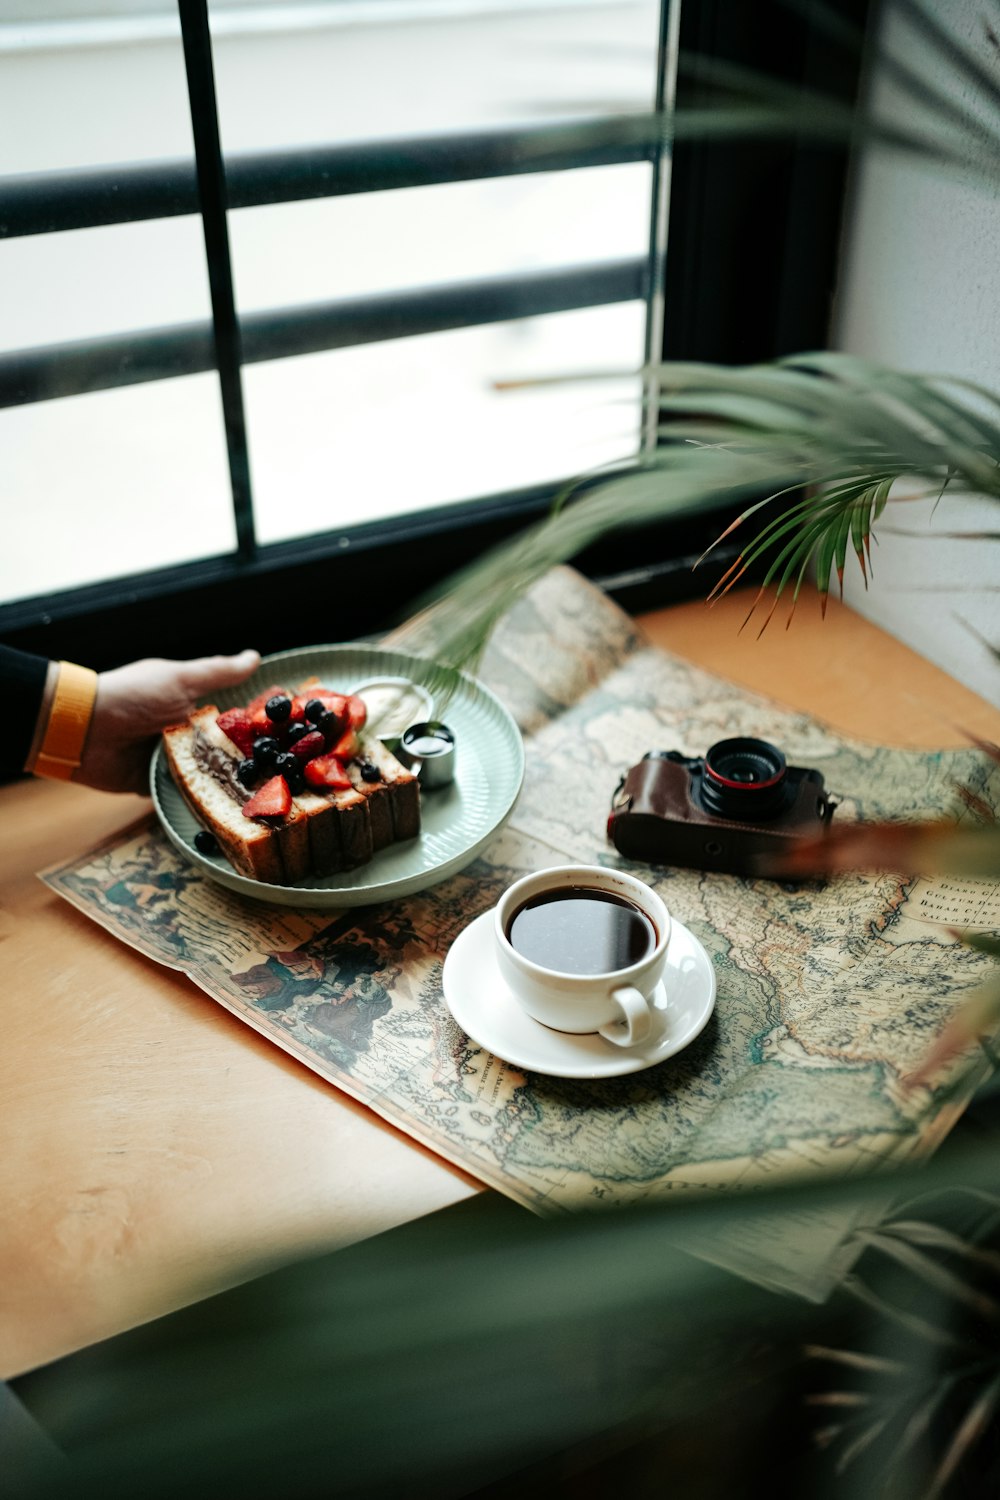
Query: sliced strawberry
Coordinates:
[347,746]
[357,712]
[299,704]
[337,723]
[331,700]
[335,702]
[273,800]
[237,726]
[309,746]
[334,732]
[327,770]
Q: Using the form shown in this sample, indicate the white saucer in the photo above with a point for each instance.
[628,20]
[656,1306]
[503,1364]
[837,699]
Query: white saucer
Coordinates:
[490,1016]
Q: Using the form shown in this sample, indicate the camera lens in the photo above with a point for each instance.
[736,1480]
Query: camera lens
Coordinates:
[744,778]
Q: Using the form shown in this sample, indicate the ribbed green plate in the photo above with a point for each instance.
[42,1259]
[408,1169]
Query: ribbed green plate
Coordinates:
[456,822]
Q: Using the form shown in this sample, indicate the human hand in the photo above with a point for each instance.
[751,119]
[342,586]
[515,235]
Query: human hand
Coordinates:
[135,702]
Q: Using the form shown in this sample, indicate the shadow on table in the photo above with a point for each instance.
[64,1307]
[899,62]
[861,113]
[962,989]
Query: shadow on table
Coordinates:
[481,1347]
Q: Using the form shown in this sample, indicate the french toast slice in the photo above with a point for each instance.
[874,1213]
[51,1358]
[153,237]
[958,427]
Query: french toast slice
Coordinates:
[394,798]
[252,848]
[326,829]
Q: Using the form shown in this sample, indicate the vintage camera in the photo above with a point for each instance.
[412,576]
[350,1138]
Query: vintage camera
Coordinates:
[733,809]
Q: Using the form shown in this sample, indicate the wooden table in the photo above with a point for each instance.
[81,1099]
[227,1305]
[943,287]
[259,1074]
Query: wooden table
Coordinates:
[156,1150]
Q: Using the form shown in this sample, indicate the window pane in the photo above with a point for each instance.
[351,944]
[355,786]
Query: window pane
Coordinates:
[112,483]
[119,480]
[386,429]
[329,248]
[354,435]
[363,69]
[137,477]
[88,283]
[69,101]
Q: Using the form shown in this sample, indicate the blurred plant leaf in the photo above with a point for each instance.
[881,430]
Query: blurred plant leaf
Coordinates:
[920,1232]
[945,111]
[991,646]
[939,848]
[471,1344]
[926,1268]
[861,1443]
[938,536]
[910,1322]
[945,848]
[855,1359]
[983,942]
[977,1017]
[972,1429]
[935,1399]
[822,436]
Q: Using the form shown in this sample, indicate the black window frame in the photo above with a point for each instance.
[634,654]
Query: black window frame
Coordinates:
[721,290]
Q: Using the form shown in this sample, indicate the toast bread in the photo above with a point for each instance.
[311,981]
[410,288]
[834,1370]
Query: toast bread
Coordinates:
[327,829]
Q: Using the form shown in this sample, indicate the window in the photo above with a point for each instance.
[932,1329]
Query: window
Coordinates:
[289,438]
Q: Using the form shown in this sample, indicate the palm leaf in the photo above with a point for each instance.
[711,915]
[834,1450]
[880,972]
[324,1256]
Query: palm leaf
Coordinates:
[976,1018]
[931,1271]
[944,536]
[901,1317]
[969,1433]
[841,536]
[942,848]
[983,942]
[968,68]
[854,1359]
[944,114]
[920,1232]
[836,429]
[993,649]
[863,1441]
[918,1423]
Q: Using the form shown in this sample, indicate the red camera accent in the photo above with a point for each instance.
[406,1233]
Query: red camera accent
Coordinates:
[746,786]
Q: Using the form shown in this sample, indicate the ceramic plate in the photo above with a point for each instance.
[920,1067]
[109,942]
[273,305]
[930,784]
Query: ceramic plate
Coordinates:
[489,1015]
[456,822]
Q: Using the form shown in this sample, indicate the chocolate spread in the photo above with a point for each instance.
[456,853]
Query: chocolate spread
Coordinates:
[221,767]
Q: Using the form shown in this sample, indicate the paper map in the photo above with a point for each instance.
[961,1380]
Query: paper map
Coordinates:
[827,995]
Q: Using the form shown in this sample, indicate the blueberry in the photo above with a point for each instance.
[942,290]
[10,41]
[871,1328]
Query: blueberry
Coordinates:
[246,772]
[296,732]
[370,772]
[265,751]
[315,710]
[205,842]
[278,708]
[328,722]
[289,766]
[295,778]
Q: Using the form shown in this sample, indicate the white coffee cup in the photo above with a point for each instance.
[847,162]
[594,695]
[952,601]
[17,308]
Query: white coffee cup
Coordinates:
[578,915]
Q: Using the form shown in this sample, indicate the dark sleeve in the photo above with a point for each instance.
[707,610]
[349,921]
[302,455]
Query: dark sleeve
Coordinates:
[22,683]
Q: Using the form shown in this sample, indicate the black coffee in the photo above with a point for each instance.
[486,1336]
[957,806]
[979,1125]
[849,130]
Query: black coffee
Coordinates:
[579,930]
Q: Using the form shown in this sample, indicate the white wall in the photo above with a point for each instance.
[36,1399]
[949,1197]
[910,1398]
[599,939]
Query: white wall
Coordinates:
[920,290]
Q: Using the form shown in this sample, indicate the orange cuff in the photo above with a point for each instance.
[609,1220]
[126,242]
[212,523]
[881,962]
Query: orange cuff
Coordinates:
[69,721]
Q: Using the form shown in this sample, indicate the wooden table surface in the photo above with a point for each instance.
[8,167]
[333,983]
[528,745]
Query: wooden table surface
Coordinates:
[156,1150]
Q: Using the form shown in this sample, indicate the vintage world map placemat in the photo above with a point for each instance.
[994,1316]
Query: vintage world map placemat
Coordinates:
[828,995]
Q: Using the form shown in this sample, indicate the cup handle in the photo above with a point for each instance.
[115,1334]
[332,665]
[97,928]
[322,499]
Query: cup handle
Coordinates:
[636,1019]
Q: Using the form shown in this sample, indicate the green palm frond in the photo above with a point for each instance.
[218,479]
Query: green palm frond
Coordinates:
[944,111]
[822,437]
[926,1411]
[899,1246]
